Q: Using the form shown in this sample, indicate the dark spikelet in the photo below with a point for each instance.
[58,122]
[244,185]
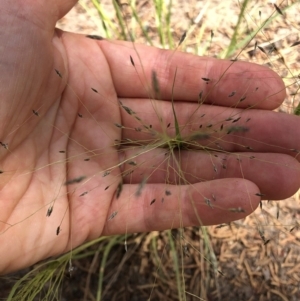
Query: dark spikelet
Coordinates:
[118,125]
[58,73]
[112,215]
[106,173]
[152,202]
[182,38]
[236,120]
[295,44]
[128,110]
[140,187]
[75,180]
[208,202]
[36,113]
[200,96]
[205,79]
[167,192]
[278,9]
[49,211]
[155,83]
[58,230]
[132,62]
[261,49]
[94,37]
[119,189]
[221,273]
[93,89]
[221,226]
[5,145]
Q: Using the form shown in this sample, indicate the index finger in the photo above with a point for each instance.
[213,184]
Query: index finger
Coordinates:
[221,82]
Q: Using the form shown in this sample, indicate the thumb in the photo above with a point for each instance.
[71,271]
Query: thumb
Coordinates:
[38,12]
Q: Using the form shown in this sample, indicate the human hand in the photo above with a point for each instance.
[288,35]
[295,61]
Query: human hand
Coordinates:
[51,121]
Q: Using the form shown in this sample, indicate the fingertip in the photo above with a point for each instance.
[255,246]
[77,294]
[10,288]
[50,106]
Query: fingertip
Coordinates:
[230,199]
[254,85]
[273,87]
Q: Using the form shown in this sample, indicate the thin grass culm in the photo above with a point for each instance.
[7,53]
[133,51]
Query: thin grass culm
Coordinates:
[180,148]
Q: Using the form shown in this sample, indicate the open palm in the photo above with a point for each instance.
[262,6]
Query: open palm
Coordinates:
[60,101]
